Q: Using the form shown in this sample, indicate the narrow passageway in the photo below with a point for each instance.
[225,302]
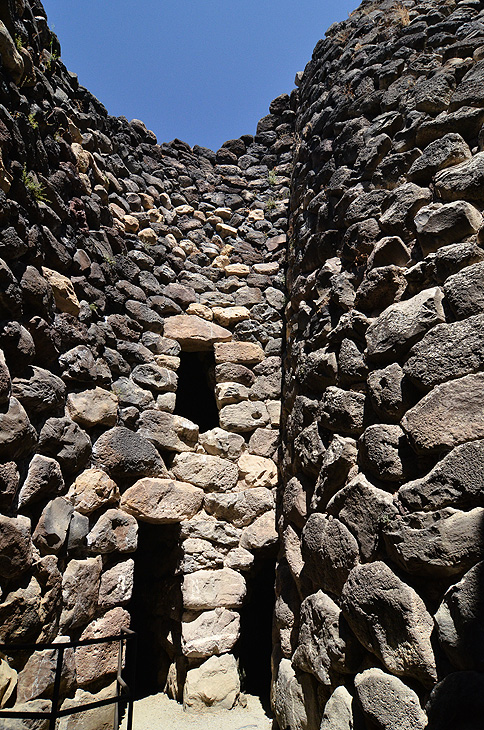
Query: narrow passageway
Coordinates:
[195,397]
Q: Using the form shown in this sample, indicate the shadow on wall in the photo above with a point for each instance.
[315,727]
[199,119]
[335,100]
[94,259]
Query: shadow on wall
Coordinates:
[195,398]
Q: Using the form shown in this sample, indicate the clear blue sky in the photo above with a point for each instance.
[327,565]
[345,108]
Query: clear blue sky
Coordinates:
[201,70]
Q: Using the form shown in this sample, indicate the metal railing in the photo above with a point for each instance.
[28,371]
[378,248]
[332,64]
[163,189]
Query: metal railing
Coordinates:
[124,692]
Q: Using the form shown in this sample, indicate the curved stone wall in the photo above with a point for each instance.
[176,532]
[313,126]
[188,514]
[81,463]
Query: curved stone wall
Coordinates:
[382,505]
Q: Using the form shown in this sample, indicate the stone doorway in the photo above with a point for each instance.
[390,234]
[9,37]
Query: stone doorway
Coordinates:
[195,397]
[155,605]
[254,647]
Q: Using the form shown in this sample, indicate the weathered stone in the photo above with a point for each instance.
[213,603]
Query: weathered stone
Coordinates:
[38,675]
[388,703]
[114,531]
[116,585]
[214,684]
[448,351]
[450,150]
[324,647]
[441,543]
[78,364]
[41,391]
[338,711]
[264,442]
[390,620]
[241,353]
[403,204]
[455,481]
[8,682]
[40,705]
[388,392]
[15,546]
[210,473]
[330,552]
[207,589]
[194,333]
[450,414]
[294,501]
[226,393]
[230,316]
[123,453]
[451,259]
[162,501]
[339,458]
[465,291]
[167,431]
[93,489]
[80,590]
[232,372]
[309,447]
[101,718]
[50,534]
[207,527]
[210,632]
[457,700]
[261,533]
[240,508]
[199,554]
[463,181]
[381,452]
[20,619]
[439,225]
[130,394]
[91,408]
[44,479]
[402,324]
[244,417]
[256,471]
[362,507]
[11,58]
[5,382]
[154,377]
[94,662]
[65,441]
[239,559]
[64,295]
[294,700]
[222,443]
[343,410]
[17,435]
[460,620]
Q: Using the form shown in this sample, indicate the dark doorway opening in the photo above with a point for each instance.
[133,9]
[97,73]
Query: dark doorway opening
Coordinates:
[155,606]
[254,647]
[195,396]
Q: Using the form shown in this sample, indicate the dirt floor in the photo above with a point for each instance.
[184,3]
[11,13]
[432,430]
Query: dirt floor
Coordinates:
[158,712]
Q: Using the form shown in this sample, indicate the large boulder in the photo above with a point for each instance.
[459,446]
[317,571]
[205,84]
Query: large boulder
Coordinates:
[390,620]
[451,414]
[162,501]
[194,333]
[387,703]
[330,552]
[209,632]
[207,589]
[214,684]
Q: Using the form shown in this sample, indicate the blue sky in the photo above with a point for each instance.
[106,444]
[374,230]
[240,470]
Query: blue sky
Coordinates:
[201,70]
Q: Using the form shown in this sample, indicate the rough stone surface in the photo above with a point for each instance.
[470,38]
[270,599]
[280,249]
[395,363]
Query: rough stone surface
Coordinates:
[210,473]
[208,589]
[162,501]
[208,633]
[388,702]
[214,684]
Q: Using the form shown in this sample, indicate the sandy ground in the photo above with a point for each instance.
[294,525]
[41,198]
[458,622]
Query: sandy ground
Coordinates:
[158,712]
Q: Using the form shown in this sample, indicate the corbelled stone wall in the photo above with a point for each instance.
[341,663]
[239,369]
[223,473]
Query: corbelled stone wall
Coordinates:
[379,612]
[154,300]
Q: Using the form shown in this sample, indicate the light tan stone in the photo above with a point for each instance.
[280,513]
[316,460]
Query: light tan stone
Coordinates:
[229,316]
[80,590]
[207,589]
[224,230]
[162,501]
[114,531]
[168,361]
[245,353]
[64,295]
[226,393]
[224,213]
[147,235]
[210,473]
[101,718]
[260,533]
[8,682]
[256,471]
[94,662]
[240,508]
[243,417]
[194,333]
[274,410]
[210,632]
[269,269]
[117,585]
[237,270]
[239,559]
[222,443]
[131,224]
[94,407]
[200,310]
[93,489]
[184,209]
[256,215]
[214,684]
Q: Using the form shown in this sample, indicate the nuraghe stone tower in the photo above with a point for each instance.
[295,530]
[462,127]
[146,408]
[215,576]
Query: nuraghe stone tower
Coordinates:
[226,371]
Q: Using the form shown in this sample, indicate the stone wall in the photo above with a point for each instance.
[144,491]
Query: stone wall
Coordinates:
[124,263]
[146,327]
[379,609]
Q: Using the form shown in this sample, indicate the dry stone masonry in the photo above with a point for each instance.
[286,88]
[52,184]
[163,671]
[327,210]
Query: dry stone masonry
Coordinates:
[210,359]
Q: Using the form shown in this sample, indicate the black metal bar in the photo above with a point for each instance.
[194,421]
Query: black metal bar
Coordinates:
[55,712]
[57,683]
